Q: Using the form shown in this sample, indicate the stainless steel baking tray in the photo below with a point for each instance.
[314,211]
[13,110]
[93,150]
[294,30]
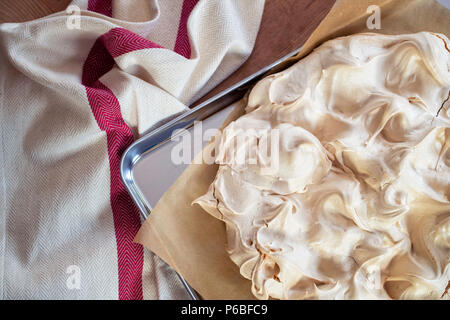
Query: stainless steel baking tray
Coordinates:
[146,168]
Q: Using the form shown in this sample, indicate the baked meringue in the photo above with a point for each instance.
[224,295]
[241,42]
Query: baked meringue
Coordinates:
[357,205]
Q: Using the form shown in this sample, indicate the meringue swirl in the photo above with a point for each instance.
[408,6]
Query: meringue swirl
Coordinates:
[359,205]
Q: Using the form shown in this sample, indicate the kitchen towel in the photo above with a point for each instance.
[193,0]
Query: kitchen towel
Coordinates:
[76,89]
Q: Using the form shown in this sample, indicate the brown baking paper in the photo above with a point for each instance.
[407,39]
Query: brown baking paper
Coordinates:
[192,241]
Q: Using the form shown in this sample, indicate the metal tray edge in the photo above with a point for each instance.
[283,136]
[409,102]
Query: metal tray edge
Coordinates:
[161,134]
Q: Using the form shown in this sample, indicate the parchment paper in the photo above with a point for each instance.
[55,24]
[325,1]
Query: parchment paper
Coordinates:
[192,241]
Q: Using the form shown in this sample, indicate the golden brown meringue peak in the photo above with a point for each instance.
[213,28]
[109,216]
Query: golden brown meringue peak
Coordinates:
[358,204]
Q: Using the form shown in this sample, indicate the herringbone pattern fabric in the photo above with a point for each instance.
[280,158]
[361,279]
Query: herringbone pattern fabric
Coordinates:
[71,101]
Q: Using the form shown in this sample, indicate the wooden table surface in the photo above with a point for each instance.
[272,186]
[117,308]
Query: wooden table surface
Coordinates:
[285,26]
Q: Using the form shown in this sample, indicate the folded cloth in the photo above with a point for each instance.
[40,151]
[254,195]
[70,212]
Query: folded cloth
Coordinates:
[76,88]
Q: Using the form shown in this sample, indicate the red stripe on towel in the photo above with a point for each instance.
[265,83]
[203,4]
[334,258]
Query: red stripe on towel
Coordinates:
[119,41]
[106,110]
[101,6]
[182,45]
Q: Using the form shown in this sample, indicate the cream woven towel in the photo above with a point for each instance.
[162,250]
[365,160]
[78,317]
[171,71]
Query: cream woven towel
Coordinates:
[76,88]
